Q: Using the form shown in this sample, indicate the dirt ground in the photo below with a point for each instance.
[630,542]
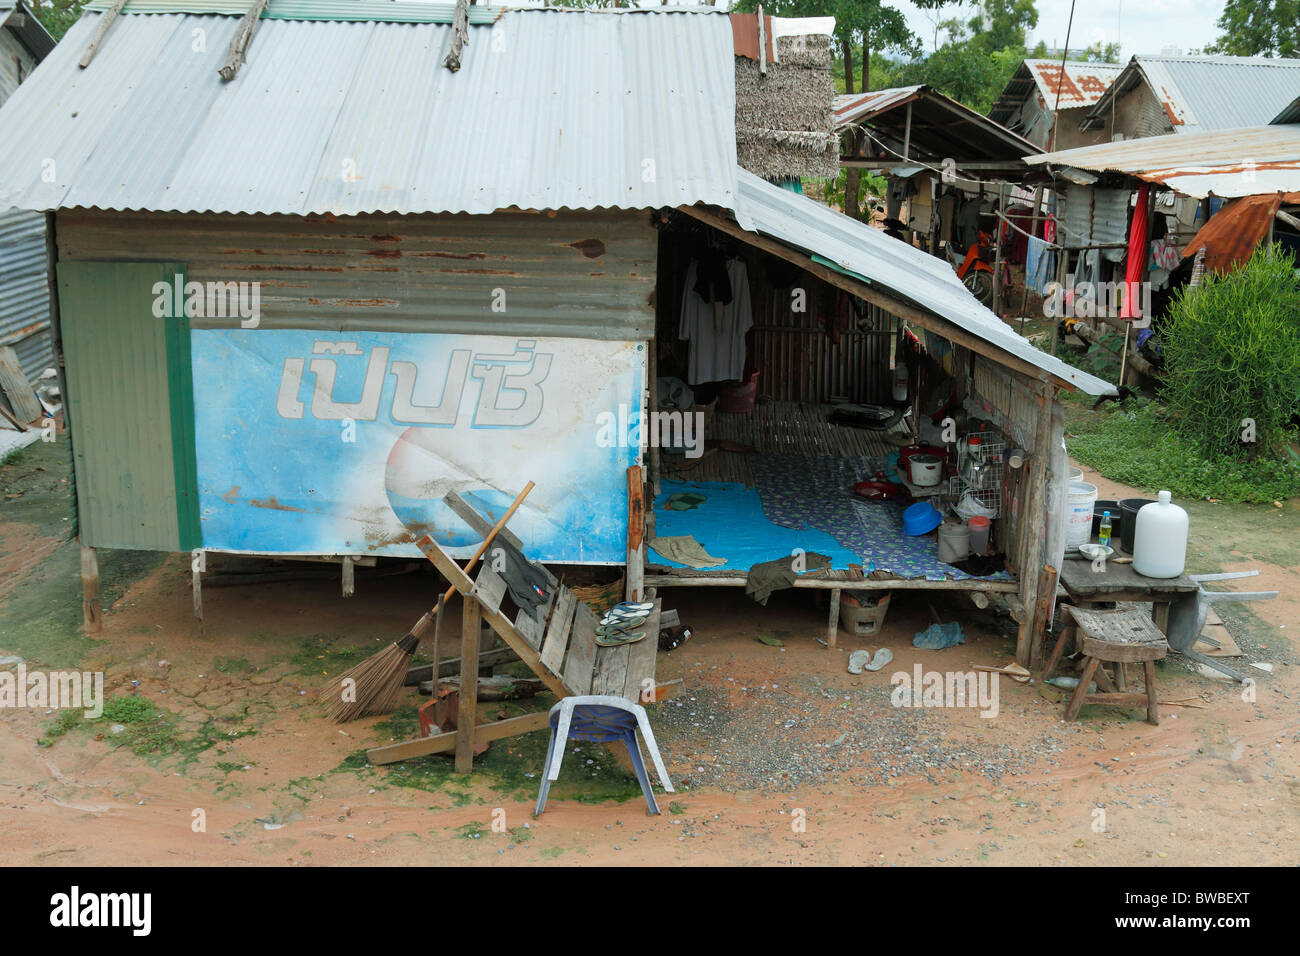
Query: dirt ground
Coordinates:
[214,752]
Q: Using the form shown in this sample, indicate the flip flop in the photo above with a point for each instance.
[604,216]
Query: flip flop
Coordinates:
[618,639]
[883,657]
[615,629]
[632,606]
[632,616]
[858,660]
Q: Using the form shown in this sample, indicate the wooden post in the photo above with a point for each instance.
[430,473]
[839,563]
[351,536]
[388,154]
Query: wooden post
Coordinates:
[467,715]
[635,535]
[349,577]
[196,582]
[90,607]
[1032,563]
[105,21]
[997,256]
[833,625]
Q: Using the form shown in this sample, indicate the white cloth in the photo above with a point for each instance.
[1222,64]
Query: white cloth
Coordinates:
[717,351]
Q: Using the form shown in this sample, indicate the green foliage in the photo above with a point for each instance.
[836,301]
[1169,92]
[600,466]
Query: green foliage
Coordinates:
[124,709]
[833,190]
[57,15]
[1232,356]
[1136,445]
[1256,28]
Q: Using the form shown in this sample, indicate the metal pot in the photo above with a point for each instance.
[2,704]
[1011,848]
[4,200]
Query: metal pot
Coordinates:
[925,471]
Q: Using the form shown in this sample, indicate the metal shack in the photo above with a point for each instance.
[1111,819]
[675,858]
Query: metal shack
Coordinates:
[298,306]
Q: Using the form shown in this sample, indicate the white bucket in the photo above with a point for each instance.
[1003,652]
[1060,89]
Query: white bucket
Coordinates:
[1075,474]
[1078,513]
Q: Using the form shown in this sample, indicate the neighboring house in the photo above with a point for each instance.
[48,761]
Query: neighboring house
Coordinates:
[1044,94]
[1157,95]
[24,279]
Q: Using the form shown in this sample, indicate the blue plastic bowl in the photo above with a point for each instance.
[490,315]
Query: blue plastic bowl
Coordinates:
[920,518]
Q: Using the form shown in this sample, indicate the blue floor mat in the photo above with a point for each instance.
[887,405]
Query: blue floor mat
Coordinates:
[802,502]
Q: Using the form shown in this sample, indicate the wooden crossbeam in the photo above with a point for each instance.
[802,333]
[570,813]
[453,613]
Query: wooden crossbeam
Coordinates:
[495,619]
[445,743]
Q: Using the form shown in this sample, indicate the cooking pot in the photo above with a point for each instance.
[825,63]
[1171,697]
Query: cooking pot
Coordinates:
[925,470]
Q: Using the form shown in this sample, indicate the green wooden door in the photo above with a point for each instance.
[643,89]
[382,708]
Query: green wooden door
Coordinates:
[130,406]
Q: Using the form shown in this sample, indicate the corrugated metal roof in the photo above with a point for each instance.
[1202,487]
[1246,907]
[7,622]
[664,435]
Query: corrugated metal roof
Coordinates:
[856,107]
[1226,163]
[25,291]
[550,110]
[1290,113]
[1080,84]
[1212,92]
[926,280]
[32,33]
[382,10]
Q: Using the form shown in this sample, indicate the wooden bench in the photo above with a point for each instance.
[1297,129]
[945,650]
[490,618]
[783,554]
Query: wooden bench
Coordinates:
[1117,637]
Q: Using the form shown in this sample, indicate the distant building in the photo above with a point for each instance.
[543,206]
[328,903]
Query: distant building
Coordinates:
[1043,93]
[1158,95]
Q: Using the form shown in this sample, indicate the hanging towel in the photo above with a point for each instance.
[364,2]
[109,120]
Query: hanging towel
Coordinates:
[684,549]
[1038,264]
[1136,267]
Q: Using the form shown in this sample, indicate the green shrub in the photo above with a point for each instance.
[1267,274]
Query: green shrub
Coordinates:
[1232,354]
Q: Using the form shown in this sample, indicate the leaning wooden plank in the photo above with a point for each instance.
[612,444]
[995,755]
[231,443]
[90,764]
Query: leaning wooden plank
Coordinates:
[105,21]
[495,619]
[530,628]
[490,588]
[558,629]
[640,680]
[611,670]
[477,523]
[242,38]
[582,651]
[445,743]
[459,35]
[22,397]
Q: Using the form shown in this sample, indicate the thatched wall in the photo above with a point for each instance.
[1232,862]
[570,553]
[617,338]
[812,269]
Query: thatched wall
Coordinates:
[784,126]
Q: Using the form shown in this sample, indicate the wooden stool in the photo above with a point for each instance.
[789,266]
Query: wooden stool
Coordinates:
[1118,637]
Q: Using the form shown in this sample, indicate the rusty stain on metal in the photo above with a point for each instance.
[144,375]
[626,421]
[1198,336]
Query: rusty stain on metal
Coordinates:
[259,268]
[448,255]
[273,504]
[385,253]
[388,238]
[591,248]
[231,496]
[368,302]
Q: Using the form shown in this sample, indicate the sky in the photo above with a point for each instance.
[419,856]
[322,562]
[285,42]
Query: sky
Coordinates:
[1139,26]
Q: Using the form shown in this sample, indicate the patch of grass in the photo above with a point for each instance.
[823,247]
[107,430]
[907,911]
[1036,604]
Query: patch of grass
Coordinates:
[324,655]
[1136,445]
[521,834]
[59,726]
[234,665]
[127,709]
[676,808]
[472,830]
[13,457]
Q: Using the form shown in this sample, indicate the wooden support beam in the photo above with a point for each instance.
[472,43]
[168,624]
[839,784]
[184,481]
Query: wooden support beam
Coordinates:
[495,619]
[90,607]
[349,577]
[196,582]
[105,21]
[240,41]
[467,716]
[635,534]
[445,743]
[878,297]
[1033,518]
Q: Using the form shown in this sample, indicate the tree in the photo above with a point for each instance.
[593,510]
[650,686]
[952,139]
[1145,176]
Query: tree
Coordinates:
[57,15]
[1259,28]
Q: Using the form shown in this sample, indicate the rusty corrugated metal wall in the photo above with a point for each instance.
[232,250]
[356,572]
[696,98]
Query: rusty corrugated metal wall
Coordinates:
[566,274]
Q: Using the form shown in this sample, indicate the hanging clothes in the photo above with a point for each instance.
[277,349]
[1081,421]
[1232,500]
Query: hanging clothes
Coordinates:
[1136,266]
[1039,264]
[716,330]
[946,209]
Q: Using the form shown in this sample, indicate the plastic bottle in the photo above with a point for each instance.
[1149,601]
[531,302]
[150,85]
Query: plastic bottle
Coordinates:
[1160,539]
[1103,533]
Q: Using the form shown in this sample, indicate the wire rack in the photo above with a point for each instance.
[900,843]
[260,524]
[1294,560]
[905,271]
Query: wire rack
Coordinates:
[981,475]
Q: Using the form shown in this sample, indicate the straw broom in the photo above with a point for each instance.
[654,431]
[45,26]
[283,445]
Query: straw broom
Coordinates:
[376,681]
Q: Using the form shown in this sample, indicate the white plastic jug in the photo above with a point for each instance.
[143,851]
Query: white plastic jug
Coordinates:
[1160,539]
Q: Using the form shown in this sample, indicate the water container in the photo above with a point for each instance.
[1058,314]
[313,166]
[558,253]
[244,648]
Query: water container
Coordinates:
[1078,513]
[1160,539]
[954,542]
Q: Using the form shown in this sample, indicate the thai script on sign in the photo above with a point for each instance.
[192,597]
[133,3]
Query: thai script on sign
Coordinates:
[510,386]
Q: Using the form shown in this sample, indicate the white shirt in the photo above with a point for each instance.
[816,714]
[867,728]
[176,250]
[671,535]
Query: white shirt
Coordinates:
[717,342]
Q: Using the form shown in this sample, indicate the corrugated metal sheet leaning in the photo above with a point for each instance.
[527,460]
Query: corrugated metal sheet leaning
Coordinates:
[25,291]
[354,117]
